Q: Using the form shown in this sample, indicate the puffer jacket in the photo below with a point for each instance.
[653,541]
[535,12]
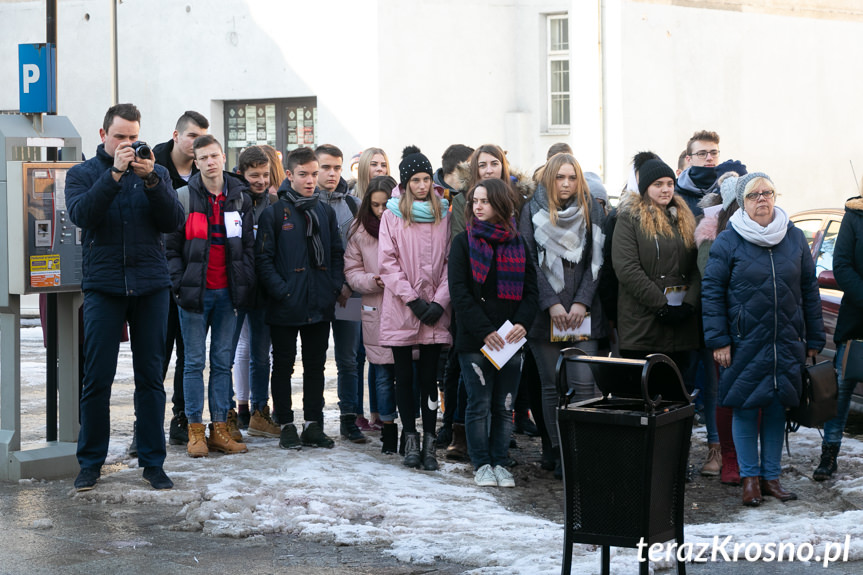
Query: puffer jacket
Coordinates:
[848,270]
[122,225]
[647,262]
[297,293]
[361,267]
[162,156]
[764,303]
[413,263]
[189,254]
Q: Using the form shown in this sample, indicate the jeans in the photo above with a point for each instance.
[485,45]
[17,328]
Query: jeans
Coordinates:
[346,340]
[745,430]
[385,385]
[405,397]
[833,429]
[490,399]
[373,389]
[580,378]
[252,358]
[103,325]
[316,339]
[219,315]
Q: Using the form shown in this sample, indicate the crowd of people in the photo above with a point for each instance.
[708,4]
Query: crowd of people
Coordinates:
[429,275]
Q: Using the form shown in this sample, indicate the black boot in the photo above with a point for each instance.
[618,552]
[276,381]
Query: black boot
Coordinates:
[444,435]
[178,432]
[827,467]
[412,449]
[390,438]
[349,430]
[428,458]
[524,425]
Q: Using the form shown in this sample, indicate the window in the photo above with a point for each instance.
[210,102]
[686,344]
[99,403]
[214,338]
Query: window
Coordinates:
[824,257]
[810,229]
[558,71]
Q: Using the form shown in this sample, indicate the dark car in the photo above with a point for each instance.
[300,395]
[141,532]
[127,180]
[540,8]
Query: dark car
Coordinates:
[820,228]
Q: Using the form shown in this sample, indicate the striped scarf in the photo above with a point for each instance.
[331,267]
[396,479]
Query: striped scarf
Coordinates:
[510,258]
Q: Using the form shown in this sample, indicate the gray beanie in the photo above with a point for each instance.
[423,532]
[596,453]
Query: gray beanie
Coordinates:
[743,180]
[727,188]
[597,190]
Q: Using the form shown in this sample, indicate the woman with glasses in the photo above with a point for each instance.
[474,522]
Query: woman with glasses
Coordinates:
[762,318]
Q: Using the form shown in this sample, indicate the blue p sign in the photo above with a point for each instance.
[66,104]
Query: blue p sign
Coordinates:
[38,78]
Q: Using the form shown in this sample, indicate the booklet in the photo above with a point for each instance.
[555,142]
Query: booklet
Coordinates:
[352,310]
[675,294]
[580,333]
[499,358]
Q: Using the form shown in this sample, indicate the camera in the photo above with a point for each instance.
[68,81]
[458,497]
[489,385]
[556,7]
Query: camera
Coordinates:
[142,150]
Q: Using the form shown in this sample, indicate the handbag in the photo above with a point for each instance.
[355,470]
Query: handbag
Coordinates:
[852,360]
[818,397]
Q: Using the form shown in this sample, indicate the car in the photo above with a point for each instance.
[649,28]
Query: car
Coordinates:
[821,228]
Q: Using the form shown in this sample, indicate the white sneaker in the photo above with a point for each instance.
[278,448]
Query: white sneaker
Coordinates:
[503,476]
[486,477]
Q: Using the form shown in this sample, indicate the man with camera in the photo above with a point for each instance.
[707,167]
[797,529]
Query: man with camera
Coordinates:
[123,203]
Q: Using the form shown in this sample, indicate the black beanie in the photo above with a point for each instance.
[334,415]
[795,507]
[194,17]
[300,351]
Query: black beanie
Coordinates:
[651,171]
[413,162]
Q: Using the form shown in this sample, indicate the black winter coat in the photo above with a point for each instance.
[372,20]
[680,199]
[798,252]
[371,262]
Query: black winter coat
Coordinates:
[188,256]
[122,225]
[162,156]
[848,271]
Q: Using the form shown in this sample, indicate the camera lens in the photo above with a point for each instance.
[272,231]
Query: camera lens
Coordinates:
[143,151]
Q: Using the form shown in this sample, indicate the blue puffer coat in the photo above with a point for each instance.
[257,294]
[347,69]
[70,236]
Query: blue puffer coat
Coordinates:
[122,225]
[764,303]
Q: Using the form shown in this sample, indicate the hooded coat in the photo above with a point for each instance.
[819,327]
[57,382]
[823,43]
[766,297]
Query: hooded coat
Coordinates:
[848,270]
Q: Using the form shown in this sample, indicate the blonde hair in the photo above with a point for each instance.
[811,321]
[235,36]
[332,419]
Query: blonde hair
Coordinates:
[406,202]
[277,170]
[363,175]
[548,180]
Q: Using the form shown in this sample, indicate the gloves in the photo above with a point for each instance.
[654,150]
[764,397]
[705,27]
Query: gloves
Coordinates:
[432,315]
[419,307]
[674,314]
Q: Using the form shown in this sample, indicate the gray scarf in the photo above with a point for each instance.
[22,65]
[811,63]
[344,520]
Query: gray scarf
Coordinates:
[306,206]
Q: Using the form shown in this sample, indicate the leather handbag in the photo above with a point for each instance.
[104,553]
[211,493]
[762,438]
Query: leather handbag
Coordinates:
[852,360]
[819,395]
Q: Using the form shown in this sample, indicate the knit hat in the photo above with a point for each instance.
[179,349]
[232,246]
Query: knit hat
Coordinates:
[743,180]
[413,162]
[597,190]
[651,171]
[730,166]
[727,188]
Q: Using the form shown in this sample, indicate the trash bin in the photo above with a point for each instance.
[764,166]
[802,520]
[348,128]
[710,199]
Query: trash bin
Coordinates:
[624,455]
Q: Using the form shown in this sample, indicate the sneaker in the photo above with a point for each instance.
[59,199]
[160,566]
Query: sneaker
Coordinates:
[178,433]
[363,424]
[288,438]
[376,425]
[503,476]
[243,419]
[485,476]
[157,479]
[220,439]
[233,425]
[262,425]
[313,436]
[197,444]
[86,479]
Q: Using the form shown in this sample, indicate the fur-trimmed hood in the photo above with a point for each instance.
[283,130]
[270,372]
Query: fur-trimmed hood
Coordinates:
[855,204]
[520,181]
[655,221]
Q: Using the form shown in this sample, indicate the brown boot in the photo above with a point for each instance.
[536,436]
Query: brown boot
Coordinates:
[457,450]
[233,425]
[197,445]
[220,440]
[751,492]
[262,424]
[773,488]
[713,465]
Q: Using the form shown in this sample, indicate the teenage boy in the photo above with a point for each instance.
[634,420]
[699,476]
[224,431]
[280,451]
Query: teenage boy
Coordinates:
[211,260]
[300,263]
[699,177]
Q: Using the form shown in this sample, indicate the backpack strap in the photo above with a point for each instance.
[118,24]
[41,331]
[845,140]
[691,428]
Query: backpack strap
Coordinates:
[183,196]
[352,205]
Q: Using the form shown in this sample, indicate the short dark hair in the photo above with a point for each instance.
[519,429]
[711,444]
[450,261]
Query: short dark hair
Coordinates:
[453,156]
[126,111]
[329,150]
[193,117]
[252,157]
[298,157]
[702,136]
[681,160]
[558,148]
[204,141]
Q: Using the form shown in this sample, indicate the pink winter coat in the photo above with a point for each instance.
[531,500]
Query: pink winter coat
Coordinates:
[361,266]
[413,264]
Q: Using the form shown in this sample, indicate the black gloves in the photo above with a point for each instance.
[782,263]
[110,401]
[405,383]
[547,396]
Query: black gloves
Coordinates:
[432,315]
[674,314]
[419,307]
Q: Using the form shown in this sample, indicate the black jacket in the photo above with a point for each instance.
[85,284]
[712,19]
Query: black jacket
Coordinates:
[478,309]
[260,202]
[122,225]
[848,270]
[188,256]
[162,156]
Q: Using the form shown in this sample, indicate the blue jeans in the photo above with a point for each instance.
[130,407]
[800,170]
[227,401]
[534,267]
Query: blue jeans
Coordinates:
[103,326]
[490,398]
[346,340]
[385,385]
[833,429]
[219,315]
[746,432]
[258,366]
[373,390]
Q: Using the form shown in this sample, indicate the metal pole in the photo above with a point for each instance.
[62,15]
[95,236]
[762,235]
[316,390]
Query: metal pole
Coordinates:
[52,365]
[115,90]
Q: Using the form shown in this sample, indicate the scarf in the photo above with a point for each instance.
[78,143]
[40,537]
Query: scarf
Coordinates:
[306,206]
[482,237]
[565,240]
[420,211]
[702,176]
[372,224]
[752,232]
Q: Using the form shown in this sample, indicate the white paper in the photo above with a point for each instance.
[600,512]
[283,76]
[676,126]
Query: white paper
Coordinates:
[352,311]
[580,333]
[675,294]
[233,225]
[498,358]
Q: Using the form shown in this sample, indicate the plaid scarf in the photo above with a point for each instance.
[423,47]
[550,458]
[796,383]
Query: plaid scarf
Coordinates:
[510,258]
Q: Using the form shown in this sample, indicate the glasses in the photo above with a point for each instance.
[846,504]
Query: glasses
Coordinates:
[704,153]
[766,194]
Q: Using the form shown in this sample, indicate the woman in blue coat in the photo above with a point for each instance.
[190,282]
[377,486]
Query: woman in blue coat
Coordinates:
[762,318]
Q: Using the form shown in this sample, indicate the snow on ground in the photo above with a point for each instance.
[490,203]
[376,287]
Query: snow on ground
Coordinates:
[354,495]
